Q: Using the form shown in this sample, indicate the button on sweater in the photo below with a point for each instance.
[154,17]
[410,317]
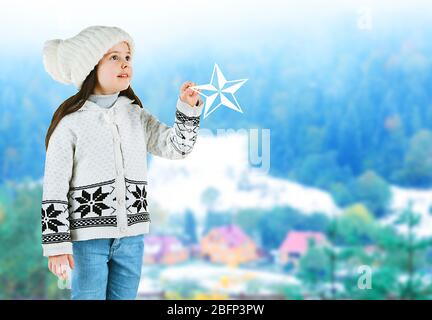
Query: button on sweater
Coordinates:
[95,179]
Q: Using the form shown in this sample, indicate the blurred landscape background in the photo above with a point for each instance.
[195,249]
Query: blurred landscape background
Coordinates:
[345,210]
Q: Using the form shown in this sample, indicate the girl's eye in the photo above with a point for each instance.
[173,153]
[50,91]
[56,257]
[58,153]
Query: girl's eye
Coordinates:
[115,57]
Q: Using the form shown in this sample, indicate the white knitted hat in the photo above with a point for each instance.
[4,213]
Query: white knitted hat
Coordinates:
[71,60]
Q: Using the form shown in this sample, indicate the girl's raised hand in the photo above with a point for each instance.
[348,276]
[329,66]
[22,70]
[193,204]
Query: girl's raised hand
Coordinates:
[190,96]
[58,264]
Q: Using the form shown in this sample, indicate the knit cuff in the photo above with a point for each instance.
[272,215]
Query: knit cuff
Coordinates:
[54,249]
[188,110]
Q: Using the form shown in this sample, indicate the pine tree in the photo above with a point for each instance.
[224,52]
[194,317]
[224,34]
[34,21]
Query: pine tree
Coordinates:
[190,228]
[413,249]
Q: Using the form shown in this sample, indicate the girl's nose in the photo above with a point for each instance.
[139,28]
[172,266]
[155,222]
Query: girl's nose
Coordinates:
[124,63]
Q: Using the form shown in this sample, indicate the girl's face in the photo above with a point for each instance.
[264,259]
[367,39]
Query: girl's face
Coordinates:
[114,70]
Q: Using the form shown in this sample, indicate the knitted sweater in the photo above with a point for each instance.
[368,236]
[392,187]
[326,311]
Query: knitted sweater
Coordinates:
[95,179]
[104,100]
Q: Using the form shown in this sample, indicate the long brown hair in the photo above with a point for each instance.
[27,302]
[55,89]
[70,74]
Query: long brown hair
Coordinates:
[76,101]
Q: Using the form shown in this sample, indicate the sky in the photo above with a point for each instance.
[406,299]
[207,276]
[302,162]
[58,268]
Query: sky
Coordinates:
[189,24]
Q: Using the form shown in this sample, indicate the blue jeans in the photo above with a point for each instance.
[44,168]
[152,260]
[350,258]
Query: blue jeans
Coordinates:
[107,269]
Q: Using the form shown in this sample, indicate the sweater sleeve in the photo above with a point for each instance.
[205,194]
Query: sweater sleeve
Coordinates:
[174,142]
[59,158]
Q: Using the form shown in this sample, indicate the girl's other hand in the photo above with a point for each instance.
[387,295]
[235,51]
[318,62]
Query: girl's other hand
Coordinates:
[58,265]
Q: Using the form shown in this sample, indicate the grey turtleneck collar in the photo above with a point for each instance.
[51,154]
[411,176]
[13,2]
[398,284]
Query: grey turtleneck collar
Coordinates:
[104,100]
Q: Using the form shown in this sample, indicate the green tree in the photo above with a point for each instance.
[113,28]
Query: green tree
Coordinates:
[413,249]
[209,198]
[23,269]
[314,267]
[373,191]
[401,260]
[417,168]
[190,232]
[355,226]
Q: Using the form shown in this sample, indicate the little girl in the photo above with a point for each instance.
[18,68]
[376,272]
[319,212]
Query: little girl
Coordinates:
[94,205]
